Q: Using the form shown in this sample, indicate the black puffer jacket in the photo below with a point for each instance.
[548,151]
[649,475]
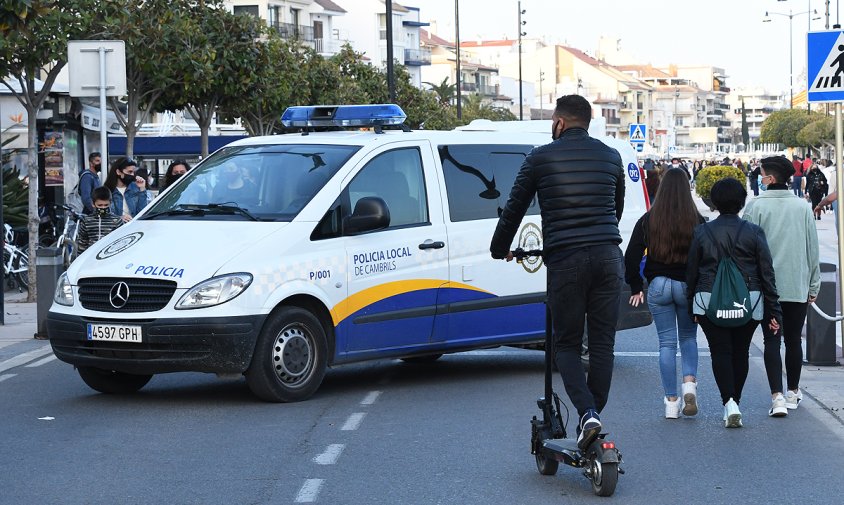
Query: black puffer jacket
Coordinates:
[750,254]
[580,183]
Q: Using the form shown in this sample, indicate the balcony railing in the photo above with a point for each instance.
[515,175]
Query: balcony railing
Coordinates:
[326,46]
[481,89]
[417,56]
[291,31]
[613,120]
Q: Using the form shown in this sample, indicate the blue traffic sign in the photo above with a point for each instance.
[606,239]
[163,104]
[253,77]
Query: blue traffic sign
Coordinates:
[826,66]
[638,133]
[633,172]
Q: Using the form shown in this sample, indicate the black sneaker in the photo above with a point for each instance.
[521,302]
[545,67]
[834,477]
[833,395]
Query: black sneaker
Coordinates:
[589,428]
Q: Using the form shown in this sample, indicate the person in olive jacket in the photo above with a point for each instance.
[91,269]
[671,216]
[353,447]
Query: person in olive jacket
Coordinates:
[579,182]
[729,347]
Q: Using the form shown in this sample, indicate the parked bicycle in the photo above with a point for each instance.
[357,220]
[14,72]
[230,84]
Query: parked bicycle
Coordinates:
[15,262]
[67,240]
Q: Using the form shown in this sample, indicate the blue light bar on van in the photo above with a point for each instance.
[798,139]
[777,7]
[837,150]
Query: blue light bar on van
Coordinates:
[343,115]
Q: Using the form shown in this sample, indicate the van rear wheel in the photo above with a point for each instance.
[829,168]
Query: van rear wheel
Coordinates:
[111,382]
[290,357]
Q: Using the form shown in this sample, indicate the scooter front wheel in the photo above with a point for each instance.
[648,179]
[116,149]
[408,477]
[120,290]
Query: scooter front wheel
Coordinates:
[604,477]
[546,465]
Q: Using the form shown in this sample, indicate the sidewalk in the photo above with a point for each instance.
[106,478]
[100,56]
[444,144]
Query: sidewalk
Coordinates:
[824,384]
[20,318]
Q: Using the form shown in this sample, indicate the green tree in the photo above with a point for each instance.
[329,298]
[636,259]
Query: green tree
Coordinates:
[38,50]
[215,60]
[817,133]
[445,91]
[14,13]
[474,107]
[781,127]
[745,132]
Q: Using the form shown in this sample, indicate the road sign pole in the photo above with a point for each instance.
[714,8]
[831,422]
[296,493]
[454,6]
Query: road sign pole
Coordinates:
[839,188]
[103,125]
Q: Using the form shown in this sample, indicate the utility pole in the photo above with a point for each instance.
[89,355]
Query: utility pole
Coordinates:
[541,96]
[458,79]
[391,78]
[521,33]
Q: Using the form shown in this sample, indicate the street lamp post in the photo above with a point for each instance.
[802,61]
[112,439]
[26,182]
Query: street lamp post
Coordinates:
[521,33]
[790,16]
[458,80]
[541,106]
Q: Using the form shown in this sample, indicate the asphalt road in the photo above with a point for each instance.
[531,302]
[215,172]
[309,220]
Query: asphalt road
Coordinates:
[452,432]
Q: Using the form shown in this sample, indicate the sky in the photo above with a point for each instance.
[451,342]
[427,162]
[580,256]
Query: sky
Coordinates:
[728,34]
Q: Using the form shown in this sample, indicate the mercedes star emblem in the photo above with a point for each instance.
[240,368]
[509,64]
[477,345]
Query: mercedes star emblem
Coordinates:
[119,295]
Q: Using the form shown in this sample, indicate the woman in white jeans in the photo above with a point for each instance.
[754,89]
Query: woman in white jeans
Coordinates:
[665,232]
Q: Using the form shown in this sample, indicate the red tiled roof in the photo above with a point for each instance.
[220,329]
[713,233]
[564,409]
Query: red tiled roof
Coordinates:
[329,6]
[582,56]
[488,43]
[427,38]
[644,71]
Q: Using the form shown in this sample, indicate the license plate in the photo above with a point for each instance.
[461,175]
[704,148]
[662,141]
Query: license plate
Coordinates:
[114,333]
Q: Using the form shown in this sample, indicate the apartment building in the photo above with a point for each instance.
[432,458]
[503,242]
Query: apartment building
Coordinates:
[312,22]
[759,103]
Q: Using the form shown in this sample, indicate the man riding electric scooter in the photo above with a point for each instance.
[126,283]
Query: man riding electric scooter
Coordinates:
[580,185]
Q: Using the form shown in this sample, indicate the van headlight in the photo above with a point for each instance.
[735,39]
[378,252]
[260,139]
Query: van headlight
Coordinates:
[64,291]
[215,291]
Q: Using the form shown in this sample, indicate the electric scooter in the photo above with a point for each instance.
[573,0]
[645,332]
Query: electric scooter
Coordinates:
[601,461]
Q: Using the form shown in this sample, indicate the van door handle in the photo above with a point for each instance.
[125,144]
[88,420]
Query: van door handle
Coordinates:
[428,244]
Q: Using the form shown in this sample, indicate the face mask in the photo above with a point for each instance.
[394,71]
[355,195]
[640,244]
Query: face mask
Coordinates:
[128,179]
[554,135]
[98,167]
[762,185]
[101,212]
[675,165]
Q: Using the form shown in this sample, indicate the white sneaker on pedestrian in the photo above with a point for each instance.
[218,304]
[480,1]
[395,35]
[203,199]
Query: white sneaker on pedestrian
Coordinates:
[689,398]
[732,415]
[792,400]
[778,406]
[672,409]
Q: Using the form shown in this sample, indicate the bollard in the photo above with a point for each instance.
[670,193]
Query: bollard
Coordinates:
[820,333]
[49,265]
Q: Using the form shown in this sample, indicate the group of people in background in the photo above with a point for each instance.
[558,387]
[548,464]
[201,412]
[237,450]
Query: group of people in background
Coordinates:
[125,192]
[678,253]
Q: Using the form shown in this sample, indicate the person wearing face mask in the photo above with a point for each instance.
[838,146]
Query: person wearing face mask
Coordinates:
[176,169]
[579,182]
[128,193]
[89,179]
[233,187]
[99,224]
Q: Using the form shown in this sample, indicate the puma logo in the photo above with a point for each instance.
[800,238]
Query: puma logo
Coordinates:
[737,313]
[741,305]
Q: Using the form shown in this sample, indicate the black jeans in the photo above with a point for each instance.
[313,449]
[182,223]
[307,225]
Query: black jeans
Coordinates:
[730,348]
[584,286]
[793,318]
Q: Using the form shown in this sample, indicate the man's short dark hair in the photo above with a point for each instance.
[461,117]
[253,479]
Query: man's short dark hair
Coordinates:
[728,196]
[779,167]
[574,108]
[101,193]
[93,155]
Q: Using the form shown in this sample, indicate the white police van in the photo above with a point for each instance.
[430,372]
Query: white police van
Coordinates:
[280,256]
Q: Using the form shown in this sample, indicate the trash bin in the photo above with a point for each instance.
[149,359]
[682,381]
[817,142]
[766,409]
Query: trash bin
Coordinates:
[49,266]
[820,333]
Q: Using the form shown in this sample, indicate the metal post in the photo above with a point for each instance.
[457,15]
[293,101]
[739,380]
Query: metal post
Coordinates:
[458,80]
[521,101]
[103,125]
[391,79]
[790,61]
[839,188]
[540,94]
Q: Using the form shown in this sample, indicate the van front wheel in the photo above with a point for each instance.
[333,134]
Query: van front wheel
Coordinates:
[290,357]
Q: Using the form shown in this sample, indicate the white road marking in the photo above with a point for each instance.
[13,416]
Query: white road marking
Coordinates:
[24,358]
[634,354]
[637,354]
[370,398]
[353,422]
[309,491]
[47,418]
[42,361]
[331,454]
[7,376]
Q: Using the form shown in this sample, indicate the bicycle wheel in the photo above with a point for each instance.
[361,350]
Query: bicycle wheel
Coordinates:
[20,265]
[69,252]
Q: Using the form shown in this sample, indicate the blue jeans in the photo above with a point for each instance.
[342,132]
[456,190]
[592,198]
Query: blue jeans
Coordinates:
[797,185]
[667,301]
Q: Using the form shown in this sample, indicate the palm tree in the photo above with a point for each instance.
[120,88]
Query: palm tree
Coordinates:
[444,91]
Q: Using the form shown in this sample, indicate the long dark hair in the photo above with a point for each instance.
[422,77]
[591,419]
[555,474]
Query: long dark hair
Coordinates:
[672,219]
[119,164]
[168,175]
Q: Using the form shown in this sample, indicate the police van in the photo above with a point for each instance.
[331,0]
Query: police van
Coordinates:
[278,257]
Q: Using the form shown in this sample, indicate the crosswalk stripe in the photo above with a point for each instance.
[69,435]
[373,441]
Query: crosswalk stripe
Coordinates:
[24,358]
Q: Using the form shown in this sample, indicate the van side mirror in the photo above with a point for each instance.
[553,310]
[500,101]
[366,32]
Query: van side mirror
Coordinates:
[370,214]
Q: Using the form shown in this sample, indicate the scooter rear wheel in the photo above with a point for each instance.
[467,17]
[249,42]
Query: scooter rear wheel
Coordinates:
[604,478]
[546,465]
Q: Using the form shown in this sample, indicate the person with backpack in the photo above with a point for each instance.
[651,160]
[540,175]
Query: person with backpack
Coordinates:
[731,287]
[789,224]
[89,180]
[816,186]
[664,234]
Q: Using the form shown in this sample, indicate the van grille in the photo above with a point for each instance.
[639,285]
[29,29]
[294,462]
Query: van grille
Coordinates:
[145,295]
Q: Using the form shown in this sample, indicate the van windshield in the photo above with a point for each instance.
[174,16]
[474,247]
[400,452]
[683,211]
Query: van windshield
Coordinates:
[256,183]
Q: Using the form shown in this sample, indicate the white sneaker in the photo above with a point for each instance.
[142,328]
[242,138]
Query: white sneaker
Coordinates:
[793,400]
[778,406]
[689,398]
[672,409]
[732,416]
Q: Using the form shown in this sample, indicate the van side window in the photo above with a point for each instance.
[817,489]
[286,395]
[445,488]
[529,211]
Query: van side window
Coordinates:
[396,177]
[478,179]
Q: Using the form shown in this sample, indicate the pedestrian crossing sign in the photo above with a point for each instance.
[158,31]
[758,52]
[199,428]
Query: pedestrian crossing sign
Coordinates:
[638,133]
[826,66]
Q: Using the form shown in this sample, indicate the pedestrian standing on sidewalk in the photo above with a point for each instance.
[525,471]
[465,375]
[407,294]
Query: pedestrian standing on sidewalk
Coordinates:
[664,233]
[789,226]
[96,226]
[730,236]
[797,180]
[816,186]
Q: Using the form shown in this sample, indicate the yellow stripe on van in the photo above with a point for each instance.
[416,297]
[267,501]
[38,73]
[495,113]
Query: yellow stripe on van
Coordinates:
[380,292]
